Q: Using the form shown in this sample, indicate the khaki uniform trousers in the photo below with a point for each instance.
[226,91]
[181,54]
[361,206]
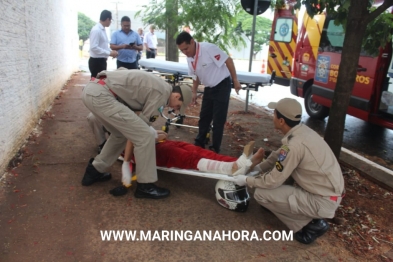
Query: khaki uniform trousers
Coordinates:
[294,206]
[123,124]
[97,128]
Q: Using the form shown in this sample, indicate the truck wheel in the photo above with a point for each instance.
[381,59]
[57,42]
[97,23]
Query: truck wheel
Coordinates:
[314,110]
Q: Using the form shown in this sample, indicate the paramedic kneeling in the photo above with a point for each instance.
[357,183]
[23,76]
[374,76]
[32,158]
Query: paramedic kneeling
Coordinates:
[307,158]
[126,102]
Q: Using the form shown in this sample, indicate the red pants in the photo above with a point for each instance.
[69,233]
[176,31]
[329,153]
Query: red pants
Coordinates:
[185,155]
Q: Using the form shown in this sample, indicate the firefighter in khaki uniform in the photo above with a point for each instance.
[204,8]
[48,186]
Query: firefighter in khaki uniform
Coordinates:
[126,102]
[307,158]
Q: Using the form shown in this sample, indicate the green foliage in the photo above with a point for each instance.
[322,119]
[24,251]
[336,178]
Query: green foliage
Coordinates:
[263,28]
[378,33]
[84,26]
[210,20]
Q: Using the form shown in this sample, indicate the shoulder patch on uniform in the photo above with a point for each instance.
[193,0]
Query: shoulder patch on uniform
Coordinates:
[217,57]
[279,166]
[153,118]
[283,153]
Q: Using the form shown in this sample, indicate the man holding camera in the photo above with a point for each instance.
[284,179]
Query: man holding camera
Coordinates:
[128,43]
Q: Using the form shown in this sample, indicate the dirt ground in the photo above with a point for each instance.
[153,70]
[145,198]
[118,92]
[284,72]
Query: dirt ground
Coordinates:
[46,215]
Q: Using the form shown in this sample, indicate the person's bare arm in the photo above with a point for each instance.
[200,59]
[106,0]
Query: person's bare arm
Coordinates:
[118,47]
[147,48]
[137,47]
[232,71]
[195,84]
[129,151]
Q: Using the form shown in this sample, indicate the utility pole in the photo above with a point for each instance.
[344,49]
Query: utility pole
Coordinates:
[117,14]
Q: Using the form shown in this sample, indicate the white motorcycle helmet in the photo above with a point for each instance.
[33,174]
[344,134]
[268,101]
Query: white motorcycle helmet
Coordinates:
[232,196]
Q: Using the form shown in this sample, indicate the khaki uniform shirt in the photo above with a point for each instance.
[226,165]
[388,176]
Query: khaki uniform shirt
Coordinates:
[140,91]
[306,157]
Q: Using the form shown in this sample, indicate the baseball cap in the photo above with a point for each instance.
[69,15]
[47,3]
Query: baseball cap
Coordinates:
[186,96]
[288,107]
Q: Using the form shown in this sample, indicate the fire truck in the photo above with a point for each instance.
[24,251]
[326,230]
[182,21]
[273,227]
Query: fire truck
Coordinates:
[316,56]
[282,44]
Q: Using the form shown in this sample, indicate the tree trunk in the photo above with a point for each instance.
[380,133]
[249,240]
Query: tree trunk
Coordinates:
[355,30]
[171,50]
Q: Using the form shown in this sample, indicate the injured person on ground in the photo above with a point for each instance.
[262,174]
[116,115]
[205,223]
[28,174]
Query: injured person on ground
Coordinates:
[178,154]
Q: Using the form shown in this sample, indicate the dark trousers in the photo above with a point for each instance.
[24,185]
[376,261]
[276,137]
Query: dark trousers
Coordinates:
[127,65]
[151,53]
[214,108]
[96,65]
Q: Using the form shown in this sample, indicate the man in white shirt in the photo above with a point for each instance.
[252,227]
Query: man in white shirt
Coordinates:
[99,45]
[212,67]
[150,42]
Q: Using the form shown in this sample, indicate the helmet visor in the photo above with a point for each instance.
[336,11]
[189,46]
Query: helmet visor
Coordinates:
[237,196]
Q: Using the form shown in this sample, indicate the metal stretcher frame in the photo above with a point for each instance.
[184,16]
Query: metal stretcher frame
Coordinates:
[202,174]
[178,72]
[197,173]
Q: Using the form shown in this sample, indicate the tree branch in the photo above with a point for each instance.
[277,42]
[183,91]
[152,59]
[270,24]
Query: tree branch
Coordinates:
[386,4]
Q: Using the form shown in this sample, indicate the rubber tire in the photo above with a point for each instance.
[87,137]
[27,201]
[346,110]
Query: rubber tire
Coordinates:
[314,110]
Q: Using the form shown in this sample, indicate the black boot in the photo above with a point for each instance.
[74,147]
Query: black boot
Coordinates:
[150,190]
[92,175]
[313,230]
[318,227]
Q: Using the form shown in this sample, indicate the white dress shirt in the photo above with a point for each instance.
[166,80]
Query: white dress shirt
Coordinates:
[99,44]
[210,67]
[151,40]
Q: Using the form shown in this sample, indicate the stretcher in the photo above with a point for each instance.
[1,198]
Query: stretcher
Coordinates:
[202,174]
[177,73]
[249,80]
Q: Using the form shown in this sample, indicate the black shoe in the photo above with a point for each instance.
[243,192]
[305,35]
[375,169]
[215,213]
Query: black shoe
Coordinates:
[92,175]
[100,147]
[214,149]
[197,143]
[318,227]
[150,190]
[118,191]
[313,230]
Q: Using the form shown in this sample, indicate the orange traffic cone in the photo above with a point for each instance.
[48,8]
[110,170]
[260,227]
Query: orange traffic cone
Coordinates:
[263,69]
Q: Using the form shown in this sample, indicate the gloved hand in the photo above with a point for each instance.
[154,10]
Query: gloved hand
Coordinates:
[240,180]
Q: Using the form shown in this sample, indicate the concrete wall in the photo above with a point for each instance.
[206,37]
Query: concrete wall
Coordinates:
[38,53]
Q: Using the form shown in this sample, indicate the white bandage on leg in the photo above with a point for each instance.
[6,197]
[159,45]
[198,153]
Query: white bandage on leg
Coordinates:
[213,166]
[243,165]
[126,174]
